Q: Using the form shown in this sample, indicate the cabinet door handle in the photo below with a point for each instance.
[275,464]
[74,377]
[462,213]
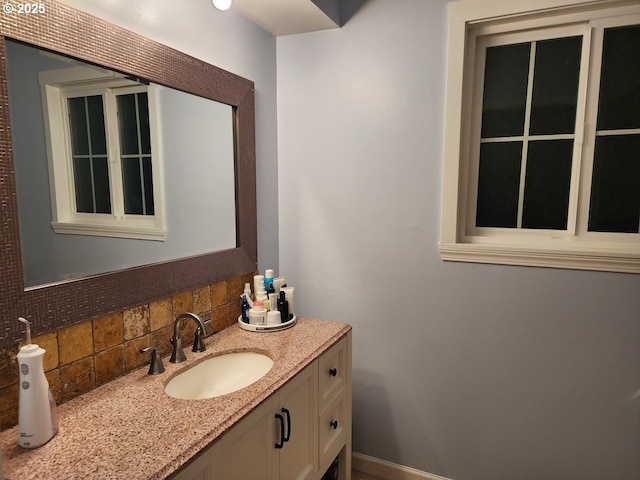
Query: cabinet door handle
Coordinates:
[333,372]
[334,424]
[280,444]
[288,436]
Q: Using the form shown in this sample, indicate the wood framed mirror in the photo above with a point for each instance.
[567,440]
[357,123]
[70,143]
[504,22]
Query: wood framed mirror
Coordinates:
[65,31]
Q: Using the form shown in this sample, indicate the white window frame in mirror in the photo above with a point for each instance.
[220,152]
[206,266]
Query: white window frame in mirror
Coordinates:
[468,20]
[56,86]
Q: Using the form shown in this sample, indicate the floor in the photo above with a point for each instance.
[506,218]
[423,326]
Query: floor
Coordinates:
[363,476]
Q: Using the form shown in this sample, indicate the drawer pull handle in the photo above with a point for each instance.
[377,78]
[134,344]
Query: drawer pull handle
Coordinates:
[288,436]
[333,372]
[280,444]
[334,424]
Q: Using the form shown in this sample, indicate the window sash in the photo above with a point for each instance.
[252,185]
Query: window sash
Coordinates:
[460,240]
[56,87]
[481,43]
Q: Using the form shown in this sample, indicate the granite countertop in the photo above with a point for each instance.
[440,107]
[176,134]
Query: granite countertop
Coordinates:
[130,429]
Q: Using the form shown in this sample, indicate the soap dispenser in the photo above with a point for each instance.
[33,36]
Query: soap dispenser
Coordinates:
[37,414]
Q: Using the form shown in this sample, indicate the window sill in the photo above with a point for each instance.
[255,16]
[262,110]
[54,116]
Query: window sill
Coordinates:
[585,257]
[137,232]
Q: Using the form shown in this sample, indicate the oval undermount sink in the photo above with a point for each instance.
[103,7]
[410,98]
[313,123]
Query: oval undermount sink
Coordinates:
[219,375]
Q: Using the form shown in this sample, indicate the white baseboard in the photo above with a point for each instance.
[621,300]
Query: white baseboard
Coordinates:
[388,470]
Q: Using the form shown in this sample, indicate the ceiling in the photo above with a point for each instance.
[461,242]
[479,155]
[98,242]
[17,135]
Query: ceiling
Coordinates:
[288,17]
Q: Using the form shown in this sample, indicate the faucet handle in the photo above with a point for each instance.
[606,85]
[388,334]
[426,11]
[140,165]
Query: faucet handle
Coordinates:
[155,366]
[198,341]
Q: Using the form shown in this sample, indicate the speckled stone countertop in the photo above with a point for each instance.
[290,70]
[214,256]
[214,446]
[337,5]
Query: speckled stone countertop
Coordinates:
[130,429]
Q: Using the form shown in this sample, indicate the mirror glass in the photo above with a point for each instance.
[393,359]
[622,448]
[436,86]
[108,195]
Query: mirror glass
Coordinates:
[60,290]
[195,181]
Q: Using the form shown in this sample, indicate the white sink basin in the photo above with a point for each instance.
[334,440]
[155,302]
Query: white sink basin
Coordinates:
[219,375]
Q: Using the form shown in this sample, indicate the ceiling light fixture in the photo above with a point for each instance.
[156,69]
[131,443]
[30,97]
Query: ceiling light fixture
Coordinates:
[222,4]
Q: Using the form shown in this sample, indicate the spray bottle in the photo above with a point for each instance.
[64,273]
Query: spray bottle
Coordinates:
[37,415]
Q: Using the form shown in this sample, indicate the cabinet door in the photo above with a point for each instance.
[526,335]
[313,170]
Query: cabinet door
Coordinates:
[299,399]
[248,449]
[204,467]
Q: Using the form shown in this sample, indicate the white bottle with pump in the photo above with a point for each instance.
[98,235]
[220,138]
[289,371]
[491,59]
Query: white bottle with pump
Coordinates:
[37,415]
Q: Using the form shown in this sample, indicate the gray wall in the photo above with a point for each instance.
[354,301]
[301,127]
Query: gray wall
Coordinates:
[473,372]
[470,371]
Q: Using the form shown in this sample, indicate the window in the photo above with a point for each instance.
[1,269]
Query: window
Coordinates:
[103,154]
[542,136]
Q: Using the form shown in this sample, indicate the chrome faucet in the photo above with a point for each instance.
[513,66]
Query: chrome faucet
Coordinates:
[177,355]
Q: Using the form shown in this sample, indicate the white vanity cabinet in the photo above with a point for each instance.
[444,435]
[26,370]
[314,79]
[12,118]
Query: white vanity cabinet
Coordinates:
[279,439]
[334,410]
[295,434]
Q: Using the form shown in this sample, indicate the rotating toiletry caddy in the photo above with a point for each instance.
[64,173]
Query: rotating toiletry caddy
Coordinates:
[266,328]
[272,308]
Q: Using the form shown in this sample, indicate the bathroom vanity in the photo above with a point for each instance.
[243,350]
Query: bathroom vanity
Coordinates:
[291,423]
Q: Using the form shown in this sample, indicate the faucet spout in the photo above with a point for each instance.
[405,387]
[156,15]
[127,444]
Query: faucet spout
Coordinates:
[177,355]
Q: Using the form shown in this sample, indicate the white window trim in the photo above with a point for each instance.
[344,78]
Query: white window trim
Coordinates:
[65,218]
[588,252]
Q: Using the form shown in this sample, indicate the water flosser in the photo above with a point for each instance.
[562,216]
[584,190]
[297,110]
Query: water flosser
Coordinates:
[37,416]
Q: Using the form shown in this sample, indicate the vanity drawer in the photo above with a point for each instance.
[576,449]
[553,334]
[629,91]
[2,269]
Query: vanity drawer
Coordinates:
[333,372]
[332,429]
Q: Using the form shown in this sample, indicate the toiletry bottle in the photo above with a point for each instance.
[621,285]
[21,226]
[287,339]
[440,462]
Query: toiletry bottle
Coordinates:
[283,307]
[245,308]
[268,279]
[258,283]
[273,301]
[37,414]
[278,283]
[288,291]
[257,313]
[247,290]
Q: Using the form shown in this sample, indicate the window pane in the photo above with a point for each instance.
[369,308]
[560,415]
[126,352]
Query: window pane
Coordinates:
[101,185]
[555,86]
[91,179]
[132,186]
[505,90]
[78,126]
[96,125]
[546,186]
[82,181]
[619,105]
[615,187]
[128,124]
[498,184]
[143,116]
[148,186]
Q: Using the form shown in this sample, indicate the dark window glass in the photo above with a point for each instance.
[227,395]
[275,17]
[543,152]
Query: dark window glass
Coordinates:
[505,90]
[546,186]
[83,185]
[78,126]
[615,187]
[148,186]
[555,86]
[132,185]
[91,178]
[101,185]
[97,131]
[143,115]
[498,184]
[619,104]
[128,124]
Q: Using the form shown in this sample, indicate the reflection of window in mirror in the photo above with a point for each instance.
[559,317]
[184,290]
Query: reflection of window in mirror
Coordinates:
[102,144]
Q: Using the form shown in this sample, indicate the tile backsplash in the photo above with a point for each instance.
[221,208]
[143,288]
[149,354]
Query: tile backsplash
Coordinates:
[84,356]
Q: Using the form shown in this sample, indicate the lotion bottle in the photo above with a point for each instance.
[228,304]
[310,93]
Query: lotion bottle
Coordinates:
[37,413]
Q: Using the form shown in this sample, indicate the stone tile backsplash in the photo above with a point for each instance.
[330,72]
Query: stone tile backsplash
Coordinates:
[82,357]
